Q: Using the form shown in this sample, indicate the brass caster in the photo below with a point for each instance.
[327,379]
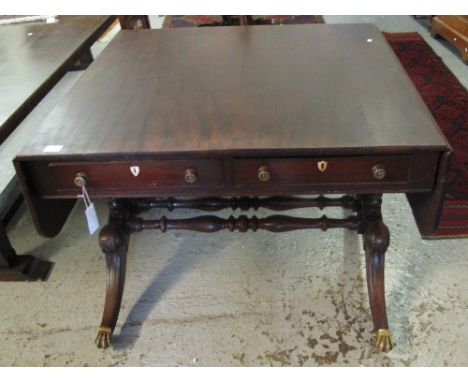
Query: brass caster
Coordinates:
[103,339]
[383,340]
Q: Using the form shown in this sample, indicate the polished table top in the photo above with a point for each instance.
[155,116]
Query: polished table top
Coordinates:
[242,89]
[31,54]
[237,111]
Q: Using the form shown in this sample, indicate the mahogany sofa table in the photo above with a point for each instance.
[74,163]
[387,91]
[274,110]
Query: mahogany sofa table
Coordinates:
[239,117]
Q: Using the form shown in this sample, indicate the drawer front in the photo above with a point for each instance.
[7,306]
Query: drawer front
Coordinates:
[128,175]
[326,170]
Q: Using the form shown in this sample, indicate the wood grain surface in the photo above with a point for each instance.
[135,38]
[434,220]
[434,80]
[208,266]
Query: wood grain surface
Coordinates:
[239,90]
[33,56]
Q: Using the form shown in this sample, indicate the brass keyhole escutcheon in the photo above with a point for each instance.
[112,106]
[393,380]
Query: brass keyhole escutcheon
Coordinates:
[322,165]
[190,175]
[80,179]
[378,171]
[264,174]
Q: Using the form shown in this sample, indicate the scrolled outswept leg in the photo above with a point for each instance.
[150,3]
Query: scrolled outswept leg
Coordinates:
[113,239]
[376,242]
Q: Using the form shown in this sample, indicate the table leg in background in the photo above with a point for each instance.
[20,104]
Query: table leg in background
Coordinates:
[19,268]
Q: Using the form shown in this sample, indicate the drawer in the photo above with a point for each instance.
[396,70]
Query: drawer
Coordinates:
[137,175]
[326,170]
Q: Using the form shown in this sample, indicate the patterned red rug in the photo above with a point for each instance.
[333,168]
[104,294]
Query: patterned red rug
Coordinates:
[447,100]
[195,21]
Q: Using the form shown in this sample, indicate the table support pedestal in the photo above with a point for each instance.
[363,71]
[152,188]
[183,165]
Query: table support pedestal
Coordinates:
[366,220]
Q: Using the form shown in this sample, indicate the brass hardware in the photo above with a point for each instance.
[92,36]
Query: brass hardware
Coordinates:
[103,339]
[378,171]
[264,174]
[322,165]
[190,175]
[80,179]
[383,340]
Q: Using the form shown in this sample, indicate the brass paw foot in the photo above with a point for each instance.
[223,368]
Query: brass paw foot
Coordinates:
[103,339]
[383,340]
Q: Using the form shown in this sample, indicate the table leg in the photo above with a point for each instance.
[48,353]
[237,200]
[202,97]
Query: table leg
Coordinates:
[376,241]
[367,220]
[19,268]
[113,239]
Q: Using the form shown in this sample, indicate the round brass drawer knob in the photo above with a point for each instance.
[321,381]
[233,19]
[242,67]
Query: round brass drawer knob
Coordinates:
[80,179]
[264,174]
[190,175]
[378,171]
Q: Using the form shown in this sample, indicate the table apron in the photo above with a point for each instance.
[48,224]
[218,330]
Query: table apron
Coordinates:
[232,176]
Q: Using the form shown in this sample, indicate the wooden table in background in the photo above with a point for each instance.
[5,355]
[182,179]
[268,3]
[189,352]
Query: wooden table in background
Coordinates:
[213,118]
[454,29]
[33,58]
